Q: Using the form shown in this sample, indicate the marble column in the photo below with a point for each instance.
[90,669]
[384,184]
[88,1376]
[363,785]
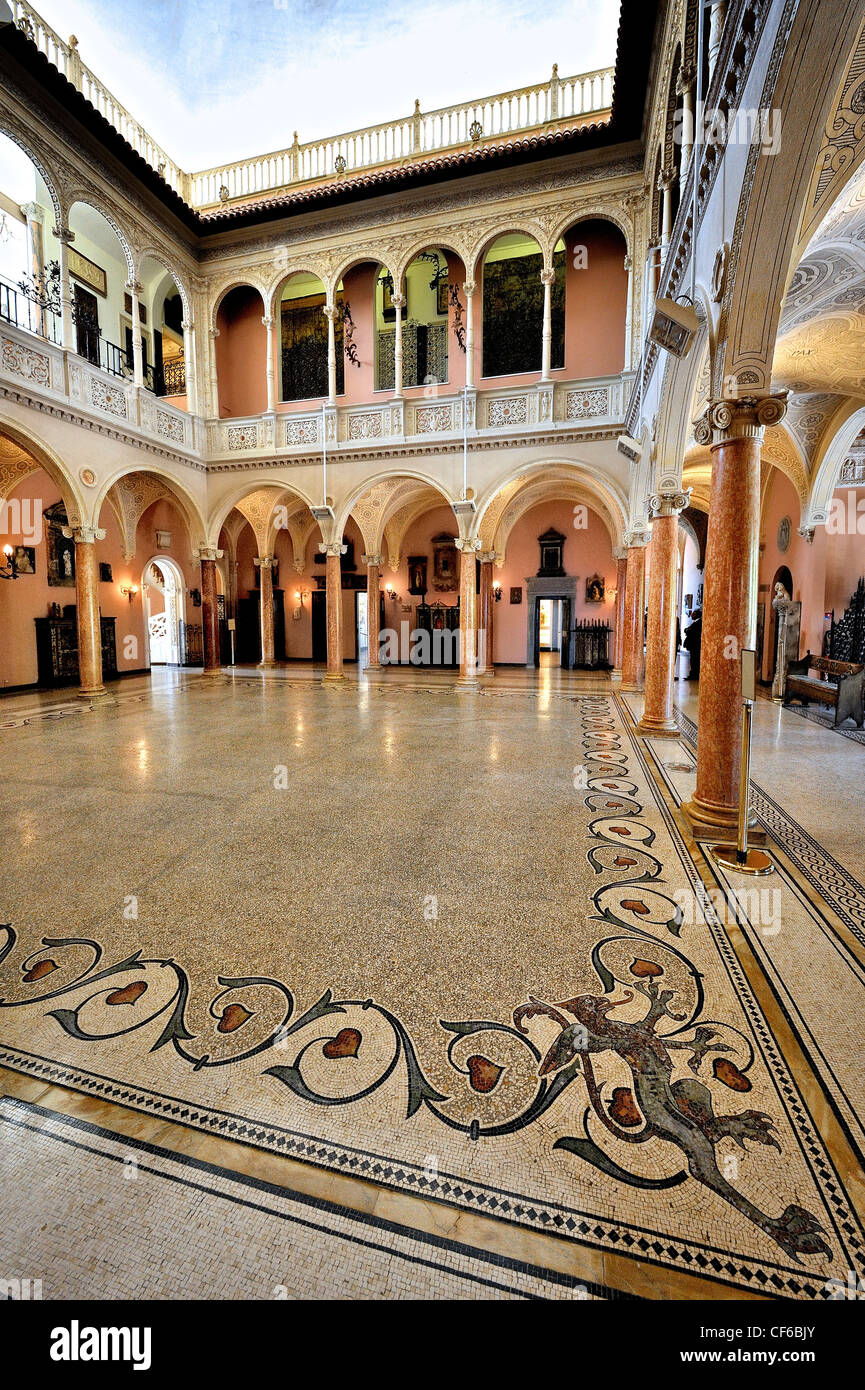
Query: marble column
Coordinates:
[621,557]
[265,570]
[209,610]
[633,660]
[717,19]
[685,89]
[661,635]
[190,367]
[270,369]
[666,179]
[333,554]
[64,238]
[468,611]
[486,615]
[133,289]
[469,292]
[735,431]
[214,375]
[548,278]
[330,313]
[35,216]
[398,301]
[373,607]
[87,613]
[629,312]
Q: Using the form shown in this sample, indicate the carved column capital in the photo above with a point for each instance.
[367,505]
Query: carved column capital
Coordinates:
[33,212]
[670,503]
[744,418]
[264,562]
[464,545]
[636,540]
[468,288]
[548,276]
[207,552]
[331,312]
[686,79]
[666,179]
[398,301]
[84,535]
[620,552]
[133,287]
[64,234]
[332,548]
[629,263]
[487,557]
[372,559]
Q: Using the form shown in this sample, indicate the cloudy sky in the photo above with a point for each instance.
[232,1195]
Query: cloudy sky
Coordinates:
[221,80]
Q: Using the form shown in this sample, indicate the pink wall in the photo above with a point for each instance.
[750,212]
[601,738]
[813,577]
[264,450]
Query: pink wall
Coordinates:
[586,553]
[596,301]
[805,562]
[29,596]
[845,553]
[241,353]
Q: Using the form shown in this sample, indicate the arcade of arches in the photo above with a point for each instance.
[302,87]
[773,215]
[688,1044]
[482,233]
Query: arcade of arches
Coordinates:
[371,628]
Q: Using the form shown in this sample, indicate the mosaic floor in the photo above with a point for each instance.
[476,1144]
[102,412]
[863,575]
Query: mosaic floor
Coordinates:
[453,944]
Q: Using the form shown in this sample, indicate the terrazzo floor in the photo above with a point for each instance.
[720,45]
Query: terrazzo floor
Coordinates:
[334,924]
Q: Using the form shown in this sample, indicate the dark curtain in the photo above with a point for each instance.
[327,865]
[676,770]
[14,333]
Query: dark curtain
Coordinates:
[304,350]
[513,315]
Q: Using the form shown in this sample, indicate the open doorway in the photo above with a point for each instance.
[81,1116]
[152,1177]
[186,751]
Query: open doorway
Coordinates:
[162,585]
[362,629]
[553,635]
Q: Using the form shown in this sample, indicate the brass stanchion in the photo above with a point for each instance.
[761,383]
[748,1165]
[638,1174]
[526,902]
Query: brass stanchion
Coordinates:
[743,860]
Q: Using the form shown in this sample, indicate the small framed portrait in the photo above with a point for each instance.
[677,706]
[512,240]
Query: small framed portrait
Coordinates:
[417,574]
[195,595]
[442,295]
[595,589]
[105,574]
[25,559]
[516,595]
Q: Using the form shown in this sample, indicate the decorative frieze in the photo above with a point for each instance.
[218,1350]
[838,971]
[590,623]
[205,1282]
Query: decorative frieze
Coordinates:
[366,426]
[111,399]
[239,437]
[304,430]
[508,410]
[26,362]
[432,419]
[587,405]
[170,427]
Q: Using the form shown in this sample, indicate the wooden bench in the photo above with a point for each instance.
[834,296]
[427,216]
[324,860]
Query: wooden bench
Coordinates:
[840,684]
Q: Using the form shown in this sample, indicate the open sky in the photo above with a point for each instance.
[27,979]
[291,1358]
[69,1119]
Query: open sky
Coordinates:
[216,80]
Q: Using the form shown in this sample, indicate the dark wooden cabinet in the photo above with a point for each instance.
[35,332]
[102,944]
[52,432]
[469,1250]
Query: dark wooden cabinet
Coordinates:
[57,650]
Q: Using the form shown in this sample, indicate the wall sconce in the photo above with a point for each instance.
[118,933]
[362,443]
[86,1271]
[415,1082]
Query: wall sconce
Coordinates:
[391,592]
[497,591]
[10,569]
[129,591]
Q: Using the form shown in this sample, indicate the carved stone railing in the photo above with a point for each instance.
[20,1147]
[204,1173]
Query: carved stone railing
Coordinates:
[66,59]
[598,403]
[30,363]
[557,103]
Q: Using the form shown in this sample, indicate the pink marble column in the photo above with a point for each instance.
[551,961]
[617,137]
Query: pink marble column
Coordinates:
[468,612]
[334,612]
[373,608]
[265,570]
[210,612]
[735,430]
[661,634]
[621,556]
[87,614]
[632,626]
[486,616]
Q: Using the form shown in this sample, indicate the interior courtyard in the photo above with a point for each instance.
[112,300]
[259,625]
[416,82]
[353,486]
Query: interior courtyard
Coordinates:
[405,876]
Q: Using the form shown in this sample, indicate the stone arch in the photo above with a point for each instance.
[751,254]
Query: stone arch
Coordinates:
[277,284]
[372,527]
[188,505]
[827,466]
[237,282]
[481,246]
[601,493]
[154,253]
[92,201]
[804,80]
[229,502]
[48,178]
[364,256]
[423,243]
[595,212]
[43,457]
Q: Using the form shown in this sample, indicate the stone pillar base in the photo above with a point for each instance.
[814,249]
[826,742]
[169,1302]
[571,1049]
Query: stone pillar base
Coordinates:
[616,677]
[468,682]
[719,824]
[267,665]
[100,696]
[666,728]
[331,676]
[631,688]
[212,672]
